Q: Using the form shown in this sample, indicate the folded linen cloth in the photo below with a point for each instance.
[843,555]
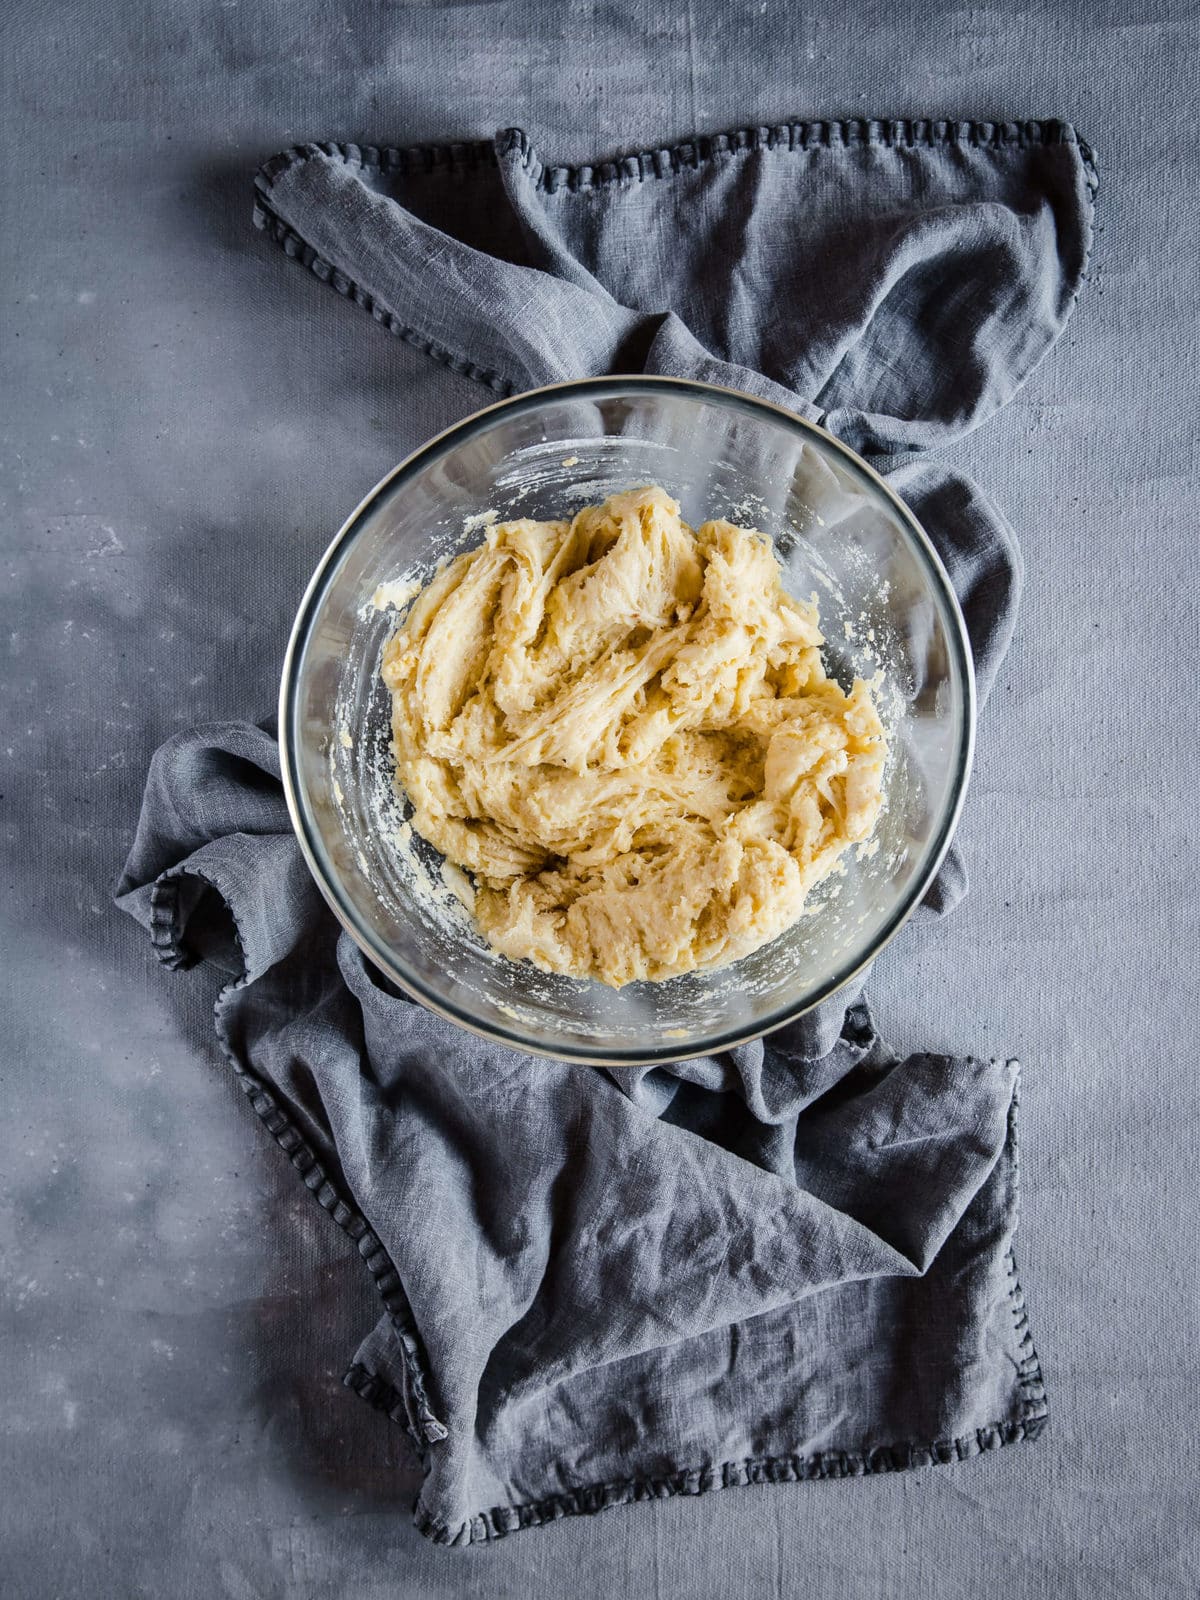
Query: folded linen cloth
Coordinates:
[788,1261]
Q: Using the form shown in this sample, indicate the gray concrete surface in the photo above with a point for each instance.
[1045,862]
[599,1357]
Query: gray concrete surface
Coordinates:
[185,418]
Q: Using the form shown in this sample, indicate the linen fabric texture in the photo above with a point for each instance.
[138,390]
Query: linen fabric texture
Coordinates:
[791,1260]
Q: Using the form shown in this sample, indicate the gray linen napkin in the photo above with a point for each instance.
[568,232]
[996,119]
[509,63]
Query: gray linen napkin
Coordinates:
[793,1260]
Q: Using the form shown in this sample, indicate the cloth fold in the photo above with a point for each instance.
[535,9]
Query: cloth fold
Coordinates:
[771,1262]
[793,1260]
[896,281]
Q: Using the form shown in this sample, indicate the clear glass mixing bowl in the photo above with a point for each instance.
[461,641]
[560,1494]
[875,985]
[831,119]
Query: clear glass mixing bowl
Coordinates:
[886,608]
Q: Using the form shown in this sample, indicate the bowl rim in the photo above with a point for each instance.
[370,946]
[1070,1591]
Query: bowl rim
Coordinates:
[478,421]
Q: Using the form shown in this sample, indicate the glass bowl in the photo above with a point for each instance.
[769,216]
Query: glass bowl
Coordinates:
[886,608]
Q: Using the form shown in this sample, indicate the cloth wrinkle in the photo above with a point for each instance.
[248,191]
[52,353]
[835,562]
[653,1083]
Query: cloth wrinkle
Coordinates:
[604,1286]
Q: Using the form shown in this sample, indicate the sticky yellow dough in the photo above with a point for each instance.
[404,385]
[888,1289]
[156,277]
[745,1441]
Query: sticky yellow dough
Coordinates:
[621,729]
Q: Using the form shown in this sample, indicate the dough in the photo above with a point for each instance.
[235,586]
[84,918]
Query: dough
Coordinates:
[622,730]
